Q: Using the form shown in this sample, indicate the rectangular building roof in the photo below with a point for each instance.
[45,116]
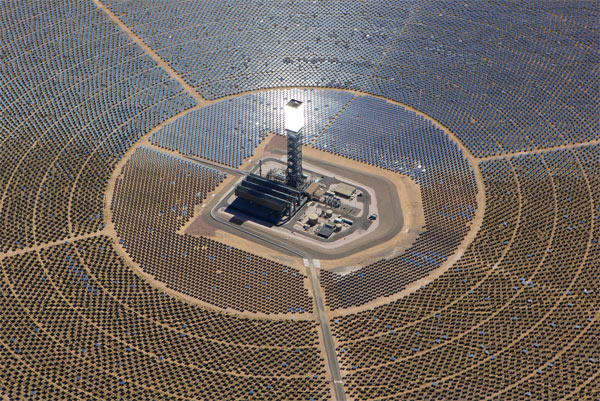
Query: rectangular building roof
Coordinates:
[344,190]
[325,231]
[312,188]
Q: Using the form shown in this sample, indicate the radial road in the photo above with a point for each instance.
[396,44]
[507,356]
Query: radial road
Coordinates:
[334,367]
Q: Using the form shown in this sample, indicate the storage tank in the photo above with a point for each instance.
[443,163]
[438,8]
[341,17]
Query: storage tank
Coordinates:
[313,219]
[328,213]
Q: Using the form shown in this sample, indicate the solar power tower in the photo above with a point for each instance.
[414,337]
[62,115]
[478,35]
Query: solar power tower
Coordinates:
[294,123]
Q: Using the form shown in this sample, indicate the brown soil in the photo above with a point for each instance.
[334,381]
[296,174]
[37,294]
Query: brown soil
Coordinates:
[407,191]
[277,142]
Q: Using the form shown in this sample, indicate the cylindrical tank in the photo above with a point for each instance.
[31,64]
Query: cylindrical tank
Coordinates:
[313,219]
[328,213]
[338,226]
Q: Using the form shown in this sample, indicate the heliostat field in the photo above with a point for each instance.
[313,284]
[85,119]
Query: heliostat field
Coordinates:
[459,260]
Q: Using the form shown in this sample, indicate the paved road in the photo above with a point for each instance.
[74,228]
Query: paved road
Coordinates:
[334,367]
[390,220]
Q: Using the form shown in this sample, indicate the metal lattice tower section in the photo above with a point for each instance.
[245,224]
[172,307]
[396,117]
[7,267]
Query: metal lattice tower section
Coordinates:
[294,126]
[294,159]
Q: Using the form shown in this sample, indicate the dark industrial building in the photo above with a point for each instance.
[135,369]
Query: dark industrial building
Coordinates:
[281,199]
[273,195]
